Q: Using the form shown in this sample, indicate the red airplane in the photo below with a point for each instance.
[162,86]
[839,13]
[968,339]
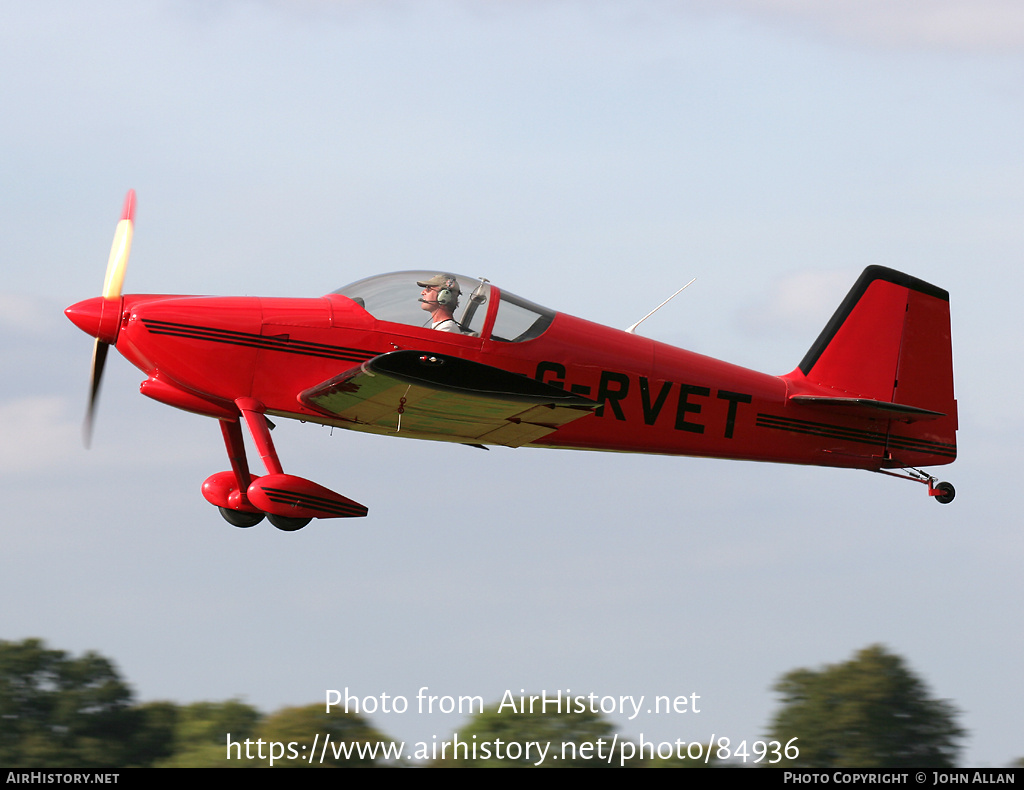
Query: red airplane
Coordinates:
[430,355]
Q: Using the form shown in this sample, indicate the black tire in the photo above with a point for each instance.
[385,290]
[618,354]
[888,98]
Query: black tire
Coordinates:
[240,518]
[287,523]
[948,492]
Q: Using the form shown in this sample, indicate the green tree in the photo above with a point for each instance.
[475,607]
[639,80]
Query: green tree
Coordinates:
[57,710]
[870,711]
[497,739]
[152,737]
[343,739]
[201,730]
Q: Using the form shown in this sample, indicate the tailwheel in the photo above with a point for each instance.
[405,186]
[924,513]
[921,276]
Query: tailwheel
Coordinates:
[943,492]
[948,492]
[287,523]
[240,518]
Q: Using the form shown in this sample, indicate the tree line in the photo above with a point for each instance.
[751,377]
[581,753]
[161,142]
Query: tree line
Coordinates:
[59,710]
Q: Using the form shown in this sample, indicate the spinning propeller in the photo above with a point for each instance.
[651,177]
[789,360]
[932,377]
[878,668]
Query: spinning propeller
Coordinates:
[101,317]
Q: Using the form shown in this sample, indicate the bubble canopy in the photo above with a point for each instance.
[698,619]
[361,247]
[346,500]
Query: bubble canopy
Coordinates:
[396,297]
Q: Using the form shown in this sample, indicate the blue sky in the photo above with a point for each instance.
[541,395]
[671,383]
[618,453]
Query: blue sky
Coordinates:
[591,157]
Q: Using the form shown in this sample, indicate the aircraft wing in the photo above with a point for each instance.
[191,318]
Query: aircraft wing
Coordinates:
[436,396]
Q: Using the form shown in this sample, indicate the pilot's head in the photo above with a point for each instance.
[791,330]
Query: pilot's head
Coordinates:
[440,291]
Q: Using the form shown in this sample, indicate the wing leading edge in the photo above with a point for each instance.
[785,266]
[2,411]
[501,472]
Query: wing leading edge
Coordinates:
[435,396]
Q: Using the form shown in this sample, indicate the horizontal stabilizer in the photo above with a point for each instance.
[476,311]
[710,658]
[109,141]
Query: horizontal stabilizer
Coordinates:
[865,407]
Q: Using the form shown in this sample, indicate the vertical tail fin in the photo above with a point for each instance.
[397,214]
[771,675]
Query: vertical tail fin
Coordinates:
[887,354]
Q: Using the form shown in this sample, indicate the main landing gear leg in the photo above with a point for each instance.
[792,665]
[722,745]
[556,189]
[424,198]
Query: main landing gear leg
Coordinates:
[232,432]
[239,512]
[943,492]
[290,502]
[259,428]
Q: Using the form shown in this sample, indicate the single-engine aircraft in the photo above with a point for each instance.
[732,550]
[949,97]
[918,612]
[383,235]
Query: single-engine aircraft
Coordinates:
[875,390]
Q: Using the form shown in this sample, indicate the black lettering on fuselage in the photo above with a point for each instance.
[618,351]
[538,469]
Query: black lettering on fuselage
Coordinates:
[734,399]
[558,380]
[605,393]
[685,391]
[614,388]
[651,412]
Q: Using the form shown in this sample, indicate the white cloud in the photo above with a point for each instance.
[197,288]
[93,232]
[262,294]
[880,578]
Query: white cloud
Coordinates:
[977,25]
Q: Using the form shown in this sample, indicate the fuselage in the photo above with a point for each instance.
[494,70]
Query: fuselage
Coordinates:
[204,353]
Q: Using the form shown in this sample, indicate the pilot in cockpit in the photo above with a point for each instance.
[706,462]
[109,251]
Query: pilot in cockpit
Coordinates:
[440,298]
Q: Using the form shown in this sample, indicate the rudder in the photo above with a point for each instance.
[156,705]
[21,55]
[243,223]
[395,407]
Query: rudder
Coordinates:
[887,351]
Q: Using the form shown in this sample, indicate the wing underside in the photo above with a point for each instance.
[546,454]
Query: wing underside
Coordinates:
[440,397]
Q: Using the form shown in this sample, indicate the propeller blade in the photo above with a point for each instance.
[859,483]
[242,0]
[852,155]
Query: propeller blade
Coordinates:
[117,264]
[99,358]
[113,281]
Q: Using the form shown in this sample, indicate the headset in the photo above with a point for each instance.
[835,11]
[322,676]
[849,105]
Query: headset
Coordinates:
[446,296]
